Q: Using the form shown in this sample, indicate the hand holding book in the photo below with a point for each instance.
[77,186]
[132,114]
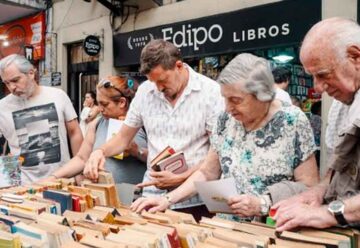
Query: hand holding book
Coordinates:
[163,180]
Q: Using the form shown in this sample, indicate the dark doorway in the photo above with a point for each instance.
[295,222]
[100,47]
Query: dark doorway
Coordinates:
[83,74]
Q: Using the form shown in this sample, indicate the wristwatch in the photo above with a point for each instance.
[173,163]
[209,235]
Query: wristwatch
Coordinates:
[265,203]
[337,208]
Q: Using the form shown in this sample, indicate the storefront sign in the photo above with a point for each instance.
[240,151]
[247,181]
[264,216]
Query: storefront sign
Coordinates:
[92,45]
[26,32]
[281,23]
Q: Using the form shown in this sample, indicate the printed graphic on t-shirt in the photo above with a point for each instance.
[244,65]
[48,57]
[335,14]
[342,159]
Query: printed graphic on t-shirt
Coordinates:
[37,131]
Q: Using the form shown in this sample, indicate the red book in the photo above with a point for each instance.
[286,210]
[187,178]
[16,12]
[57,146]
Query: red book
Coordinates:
[175,163]
[76,203]
[163,154]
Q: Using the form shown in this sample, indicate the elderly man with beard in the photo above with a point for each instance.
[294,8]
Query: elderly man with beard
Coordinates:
[32,114]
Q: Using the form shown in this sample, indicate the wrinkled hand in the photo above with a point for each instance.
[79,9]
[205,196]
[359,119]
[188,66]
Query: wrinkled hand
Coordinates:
[163,180]
[245,205]
[288,218]
[95,163]
[152,204]
[312,197]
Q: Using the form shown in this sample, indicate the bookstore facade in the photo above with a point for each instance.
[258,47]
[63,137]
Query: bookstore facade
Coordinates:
[209,43]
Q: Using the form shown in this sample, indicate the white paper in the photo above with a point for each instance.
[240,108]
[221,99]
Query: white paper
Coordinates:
[126,193]
[216,193]
[113,129]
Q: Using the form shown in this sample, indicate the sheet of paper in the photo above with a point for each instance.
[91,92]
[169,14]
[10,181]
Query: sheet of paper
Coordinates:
[216,193]
[126,193]
[113,129]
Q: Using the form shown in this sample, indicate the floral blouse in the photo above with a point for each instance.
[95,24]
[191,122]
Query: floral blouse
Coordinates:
[260,158]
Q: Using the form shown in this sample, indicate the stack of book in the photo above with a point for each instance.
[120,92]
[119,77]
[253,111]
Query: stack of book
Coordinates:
[46,216]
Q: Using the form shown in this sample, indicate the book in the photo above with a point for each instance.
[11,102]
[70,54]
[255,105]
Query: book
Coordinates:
[105,177]
[107,192]
[10,171]
[329,243]
[175,163]
[9,240]
[162,155]
[113,128]
[62,197]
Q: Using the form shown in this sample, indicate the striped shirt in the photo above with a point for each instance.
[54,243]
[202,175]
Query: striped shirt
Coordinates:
[185,127]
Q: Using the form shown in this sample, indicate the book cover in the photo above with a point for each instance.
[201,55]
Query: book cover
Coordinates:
[62,197]
[175,163]
[163,154]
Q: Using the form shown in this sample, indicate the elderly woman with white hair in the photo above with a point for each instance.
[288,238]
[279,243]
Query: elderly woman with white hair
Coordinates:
[266,146]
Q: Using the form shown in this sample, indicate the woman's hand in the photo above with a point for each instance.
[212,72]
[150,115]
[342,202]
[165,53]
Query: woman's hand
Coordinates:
[245,205]
[152,204]
[95,163]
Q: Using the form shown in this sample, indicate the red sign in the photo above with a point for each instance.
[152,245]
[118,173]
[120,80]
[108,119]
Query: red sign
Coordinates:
[26,32]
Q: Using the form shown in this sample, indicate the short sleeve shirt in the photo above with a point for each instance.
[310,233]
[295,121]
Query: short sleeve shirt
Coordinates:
[185,127]
[36,130]
[262,157]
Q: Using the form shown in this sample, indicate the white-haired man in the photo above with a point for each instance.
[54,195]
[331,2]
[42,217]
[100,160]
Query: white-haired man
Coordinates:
[331,53]
[36,120]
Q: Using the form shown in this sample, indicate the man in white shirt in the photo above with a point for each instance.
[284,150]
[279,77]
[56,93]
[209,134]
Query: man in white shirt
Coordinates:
[282,79]
[36,120]
[177,107]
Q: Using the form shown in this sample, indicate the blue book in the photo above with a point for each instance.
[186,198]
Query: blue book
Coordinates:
[62,197]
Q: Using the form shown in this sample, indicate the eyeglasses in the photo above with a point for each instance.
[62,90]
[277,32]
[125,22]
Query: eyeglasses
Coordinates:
[107,84]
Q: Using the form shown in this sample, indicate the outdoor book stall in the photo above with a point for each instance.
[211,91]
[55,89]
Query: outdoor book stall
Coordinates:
[60,214]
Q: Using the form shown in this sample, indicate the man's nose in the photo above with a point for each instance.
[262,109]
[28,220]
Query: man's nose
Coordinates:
[160,87]
[228,106]
[320,86]
[12,87]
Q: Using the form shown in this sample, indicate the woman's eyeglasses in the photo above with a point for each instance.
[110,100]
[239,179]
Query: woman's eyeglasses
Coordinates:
[107,84]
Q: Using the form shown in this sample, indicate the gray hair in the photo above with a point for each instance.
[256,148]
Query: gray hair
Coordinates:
[20,61]
[253,73]
[336,33]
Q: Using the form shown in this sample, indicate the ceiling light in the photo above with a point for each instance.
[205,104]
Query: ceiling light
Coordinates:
[5,43]
[3,36]
[282,58]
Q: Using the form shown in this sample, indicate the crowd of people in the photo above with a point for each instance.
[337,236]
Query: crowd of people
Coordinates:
[245,126]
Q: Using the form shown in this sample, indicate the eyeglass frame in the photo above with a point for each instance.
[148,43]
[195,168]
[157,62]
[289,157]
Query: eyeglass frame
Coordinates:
[106,83]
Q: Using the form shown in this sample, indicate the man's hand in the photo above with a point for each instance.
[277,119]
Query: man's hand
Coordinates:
[312,197]
[303,215]
[152,204]
[245,205]
[163,180]
[95,163]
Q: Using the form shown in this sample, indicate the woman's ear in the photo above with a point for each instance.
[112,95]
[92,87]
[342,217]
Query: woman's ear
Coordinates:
[123,103]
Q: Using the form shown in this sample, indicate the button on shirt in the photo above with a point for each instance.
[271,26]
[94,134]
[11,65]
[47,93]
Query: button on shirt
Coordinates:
[185,127]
